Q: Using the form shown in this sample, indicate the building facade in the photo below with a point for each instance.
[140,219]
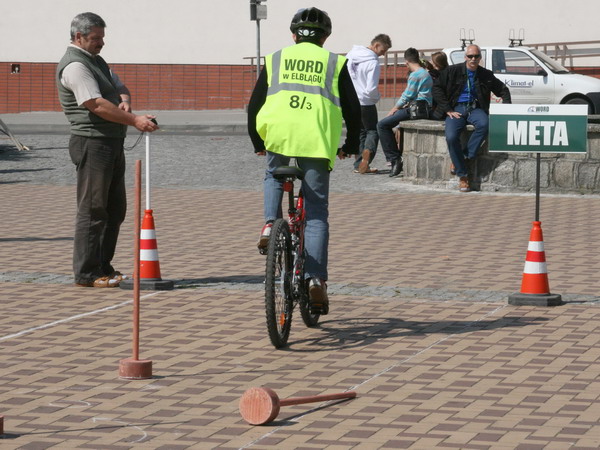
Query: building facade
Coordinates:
[197,54]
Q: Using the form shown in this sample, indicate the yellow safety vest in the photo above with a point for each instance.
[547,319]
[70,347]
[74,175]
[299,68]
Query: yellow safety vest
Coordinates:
[302,115]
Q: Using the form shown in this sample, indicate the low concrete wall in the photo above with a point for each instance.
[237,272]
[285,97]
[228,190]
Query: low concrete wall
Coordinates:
[426,161]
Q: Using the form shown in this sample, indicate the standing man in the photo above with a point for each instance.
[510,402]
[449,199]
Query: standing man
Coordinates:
[98,107]
[363,65]
[462,94]
[296,111]
[418,88]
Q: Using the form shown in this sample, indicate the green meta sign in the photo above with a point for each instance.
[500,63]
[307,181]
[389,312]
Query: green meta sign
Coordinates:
[538,128]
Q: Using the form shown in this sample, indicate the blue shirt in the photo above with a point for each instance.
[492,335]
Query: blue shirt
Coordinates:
[418,87]
[468,93]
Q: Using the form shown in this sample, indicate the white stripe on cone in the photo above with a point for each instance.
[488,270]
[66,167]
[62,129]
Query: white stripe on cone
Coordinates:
[149,255]
[536,246]
[148,234]
[535,267]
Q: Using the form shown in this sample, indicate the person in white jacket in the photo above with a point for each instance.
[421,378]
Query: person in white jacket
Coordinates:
[363,65]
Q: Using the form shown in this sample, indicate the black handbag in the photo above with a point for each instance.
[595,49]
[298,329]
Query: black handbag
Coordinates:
[419,109]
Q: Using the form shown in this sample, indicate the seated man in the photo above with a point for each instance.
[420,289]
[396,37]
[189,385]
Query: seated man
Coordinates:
[418,87]
[462,94]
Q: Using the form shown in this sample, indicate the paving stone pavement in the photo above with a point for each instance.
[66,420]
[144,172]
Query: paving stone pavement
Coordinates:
[419,323]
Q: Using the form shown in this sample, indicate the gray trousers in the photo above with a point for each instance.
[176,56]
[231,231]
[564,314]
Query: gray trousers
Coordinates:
[101,204]
[369,138]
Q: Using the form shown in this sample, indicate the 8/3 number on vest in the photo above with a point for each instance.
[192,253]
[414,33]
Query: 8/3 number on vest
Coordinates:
[296,102]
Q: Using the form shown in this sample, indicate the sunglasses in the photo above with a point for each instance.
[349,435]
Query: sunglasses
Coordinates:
[473,56]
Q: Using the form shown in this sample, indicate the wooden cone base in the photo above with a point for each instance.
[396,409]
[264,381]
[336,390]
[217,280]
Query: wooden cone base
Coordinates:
[261,405]
[133,369]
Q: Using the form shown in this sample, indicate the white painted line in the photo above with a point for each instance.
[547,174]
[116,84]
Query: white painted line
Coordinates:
[70,404]
[123,425]
[70,319]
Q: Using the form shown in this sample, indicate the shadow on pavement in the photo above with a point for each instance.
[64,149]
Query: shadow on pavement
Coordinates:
[242,279]
[351,333]
[35,239]
[24,170]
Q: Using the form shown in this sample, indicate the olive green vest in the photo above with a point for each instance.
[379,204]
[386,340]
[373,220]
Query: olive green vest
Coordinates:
[302,115]
[83,121]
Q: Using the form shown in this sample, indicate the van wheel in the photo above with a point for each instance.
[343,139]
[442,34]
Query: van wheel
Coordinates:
[581,101]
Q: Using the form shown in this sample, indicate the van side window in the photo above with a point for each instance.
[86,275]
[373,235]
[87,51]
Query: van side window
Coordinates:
[514,62]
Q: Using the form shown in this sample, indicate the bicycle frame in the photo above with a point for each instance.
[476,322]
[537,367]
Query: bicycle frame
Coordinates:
[297,223]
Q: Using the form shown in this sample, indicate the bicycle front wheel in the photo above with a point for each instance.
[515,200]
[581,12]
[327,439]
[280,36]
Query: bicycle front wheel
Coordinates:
[279,303]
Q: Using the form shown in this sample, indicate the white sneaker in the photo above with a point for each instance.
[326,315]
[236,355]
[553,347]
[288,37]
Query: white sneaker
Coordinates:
[265,234]
[317,295]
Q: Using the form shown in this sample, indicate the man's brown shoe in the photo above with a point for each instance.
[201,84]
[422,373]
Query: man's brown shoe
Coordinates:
[463,184]
[363,167]
[116,275]
[102,282]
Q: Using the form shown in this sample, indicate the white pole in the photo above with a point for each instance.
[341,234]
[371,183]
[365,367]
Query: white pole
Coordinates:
[148,171]
[257,48]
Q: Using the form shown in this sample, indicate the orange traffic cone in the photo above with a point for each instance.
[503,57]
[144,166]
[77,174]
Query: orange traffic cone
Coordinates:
[535,289]
[149,264]
[150,278]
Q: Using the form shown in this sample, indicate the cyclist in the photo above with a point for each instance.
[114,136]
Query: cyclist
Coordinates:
[296,111]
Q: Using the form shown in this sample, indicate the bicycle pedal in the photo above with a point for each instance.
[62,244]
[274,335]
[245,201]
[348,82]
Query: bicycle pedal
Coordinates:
[319,309]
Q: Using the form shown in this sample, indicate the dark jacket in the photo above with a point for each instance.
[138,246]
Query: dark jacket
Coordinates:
[448,86]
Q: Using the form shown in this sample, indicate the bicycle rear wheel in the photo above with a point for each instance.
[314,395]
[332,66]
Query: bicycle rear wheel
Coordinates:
[279,303]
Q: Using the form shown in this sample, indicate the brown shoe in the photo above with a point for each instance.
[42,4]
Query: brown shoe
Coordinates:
[102,282]
[463,184]
[116,275]
[363,167]
[318,298]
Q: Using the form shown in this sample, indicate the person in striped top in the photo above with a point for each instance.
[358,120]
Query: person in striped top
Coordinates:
[418,87]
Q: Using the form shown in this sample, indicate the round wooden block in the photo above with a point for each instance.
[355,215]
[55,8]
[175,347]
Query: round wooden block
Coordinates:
[133,369]
[259,405]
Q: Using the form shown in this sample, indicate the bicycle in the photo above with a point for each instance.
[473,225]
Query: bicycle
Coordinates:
[285,286]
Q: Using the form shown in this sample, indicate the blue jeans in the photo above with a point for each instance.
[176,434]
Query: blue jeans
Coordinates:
[454,127]
[386,133]
[369,138]
[315,188]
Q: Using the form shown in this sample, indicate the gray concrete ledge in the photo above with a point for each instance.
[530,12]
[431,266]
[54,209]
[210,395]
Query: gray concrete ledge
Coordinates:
[426,161]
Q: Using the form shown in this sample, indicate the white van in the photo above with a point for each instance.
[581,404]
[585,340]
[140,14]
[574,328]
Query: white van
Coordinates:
[535,78]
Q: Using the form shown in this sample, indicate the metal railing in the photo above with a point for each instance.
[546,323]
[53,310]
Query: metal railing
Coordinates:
[565,52]
[394,72]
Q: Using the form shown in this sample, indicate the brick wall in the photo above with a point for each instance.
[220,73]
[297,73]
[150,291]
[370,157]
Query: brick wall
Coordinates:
[157,87]
[153,86]
[32,89]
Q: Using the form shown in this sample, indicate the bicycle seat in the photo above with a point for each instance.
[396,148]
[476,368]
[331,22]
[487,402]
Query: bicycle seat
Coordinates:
[283,172]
